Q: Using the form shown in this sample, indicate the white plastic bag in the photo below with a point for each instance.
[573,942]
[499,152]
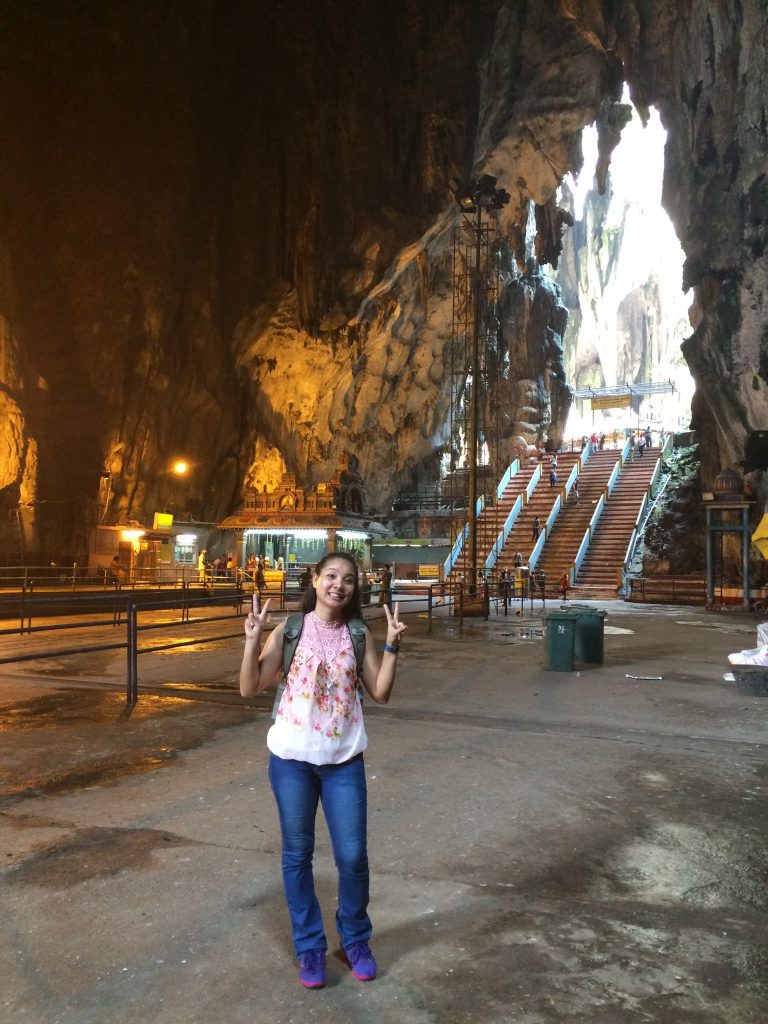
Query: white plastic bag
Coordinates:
[757,656]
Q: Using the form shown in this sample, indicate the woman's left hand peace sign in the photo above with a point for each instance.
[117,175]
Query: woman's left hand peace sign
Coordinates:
[394,626]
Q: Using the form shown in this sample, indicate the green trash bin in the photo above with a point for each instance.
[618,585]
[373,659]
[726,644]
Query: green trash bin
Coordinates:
[559,640]
[590,633]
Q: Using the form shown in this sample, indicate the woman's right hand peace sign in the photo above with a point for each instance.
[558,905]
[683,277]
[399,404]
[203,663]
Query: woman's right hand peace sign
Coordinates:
[256,618]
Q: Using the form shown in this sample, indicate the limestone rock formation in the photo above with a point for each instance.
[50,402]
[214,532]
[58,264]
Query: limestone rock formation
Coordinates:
[225,231]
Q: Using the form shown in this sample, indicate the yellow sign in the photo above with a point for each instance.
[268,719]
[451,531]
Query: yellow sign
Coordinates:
[760,537]
[162,520]
[429,572]
[611,401]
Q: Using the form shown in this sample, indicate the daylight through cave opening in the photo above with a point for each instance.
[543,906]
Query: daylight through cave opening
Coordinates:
[621,279]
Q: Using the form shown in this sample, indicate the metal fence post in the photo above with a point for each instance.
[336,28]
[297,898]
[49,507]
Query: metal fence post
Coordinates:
[132,682]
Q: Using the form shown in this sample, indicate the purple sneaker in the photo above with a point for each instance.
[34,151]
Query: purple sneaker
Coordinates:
[360,960]
[312,968]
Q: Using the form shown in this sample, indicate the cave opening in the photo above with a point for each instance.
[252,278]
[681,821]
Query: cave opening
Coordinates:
[621,280]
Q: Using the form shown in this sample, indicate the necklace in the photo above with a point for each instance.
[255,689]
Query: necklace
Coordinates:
[325,661]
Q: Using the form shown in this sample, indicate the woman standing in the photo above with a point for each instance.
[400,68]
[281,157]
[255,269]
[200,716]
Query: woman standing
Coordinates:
[316,755]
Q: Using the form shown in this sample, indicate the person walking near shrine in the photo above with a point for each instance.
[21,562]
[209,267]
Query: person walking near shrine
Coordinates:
[316,752]
[385,584]
[260,580]
[564,586]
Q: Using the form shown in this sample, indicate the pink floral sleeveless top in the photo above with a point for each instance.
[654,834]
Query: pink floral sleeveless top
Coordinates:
[320,718]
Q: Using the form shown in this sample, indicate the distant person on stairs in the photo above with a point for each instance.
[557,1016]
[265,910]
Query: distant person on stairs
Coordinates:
[564,586]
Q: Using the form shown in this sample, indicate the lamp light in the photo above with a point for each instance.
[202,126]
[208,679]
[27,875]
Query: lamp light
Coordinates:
[132,535]
[474,195]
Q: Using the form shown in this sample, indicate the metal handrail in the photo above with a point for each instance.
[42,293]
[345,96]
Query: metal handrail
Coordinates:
[554,513]
[613,477]
[512,470]
[587,536]
[573,476]
[538,547]
[457,548]
[535,477]
[504,533]
[655,475]
[647,506]
[453,554]
[629,553]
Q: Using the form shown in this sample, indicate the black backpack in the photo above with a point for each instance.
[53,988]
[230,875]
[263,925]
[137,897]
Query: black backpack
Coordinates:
[291,633]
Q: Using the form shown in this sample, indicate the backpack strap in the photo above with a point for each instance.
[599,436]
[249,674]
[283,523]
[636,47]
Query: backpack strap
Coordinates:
[357,632]
[291,634]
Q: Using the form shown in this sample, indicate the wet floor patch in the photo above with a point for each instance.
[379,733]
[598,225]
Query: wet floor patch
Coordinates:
[82,776]
[523,633]
[91,853]
[98,740]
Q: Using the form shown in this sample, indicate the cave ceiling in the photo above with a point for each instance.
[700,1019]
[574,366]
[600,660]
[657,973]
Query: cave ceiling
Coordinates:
[226,229]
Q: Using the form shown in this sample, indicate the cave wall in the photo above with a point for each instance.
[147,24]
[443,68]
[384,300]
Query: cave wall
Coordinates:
[705,67]
[225,230]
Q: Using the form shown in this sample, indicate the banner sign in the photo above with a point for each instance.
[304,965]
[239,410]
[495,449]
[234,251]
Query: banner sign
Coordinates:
[611,402]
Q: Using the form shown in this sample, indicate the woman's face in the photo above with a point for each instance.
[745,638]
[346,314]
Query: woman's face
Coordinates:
[335,584]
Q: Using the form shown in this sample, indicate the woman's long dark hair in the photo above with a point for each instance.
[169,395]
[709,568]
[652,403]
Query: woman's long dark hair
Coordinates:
[353,610]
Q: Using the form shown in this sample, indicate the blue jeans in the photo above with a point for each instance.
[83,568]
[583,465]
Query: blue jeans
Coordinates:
[298,786]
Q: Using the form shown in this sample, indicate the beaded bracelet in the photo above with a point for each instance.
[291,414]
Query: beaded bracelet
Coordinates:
[390,649]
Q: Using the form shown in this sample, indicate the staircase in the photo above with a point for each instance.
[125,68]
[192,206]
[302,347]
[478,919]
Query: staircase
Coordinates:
[540,504]
[563,543]
[490,521]
[599,575]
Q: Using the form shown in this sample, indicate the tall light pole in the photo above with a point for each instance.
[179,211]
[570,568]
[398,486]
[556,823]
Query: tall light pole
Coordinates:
[472,199]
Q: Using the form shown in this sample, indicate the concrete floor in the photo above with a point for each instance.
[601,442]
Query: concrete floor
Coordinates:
[545,847]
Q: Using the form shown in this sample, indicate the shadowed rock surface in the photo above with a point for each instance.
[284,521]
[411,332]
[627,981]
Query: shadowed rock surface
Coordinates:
[225,231]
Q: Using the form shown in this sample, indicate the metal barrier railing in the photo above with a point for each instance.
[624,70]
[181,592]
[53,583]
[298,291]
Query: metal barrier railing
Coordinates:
[666,590]
[121,604]
[82,577]
[501,595]
[121,610]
